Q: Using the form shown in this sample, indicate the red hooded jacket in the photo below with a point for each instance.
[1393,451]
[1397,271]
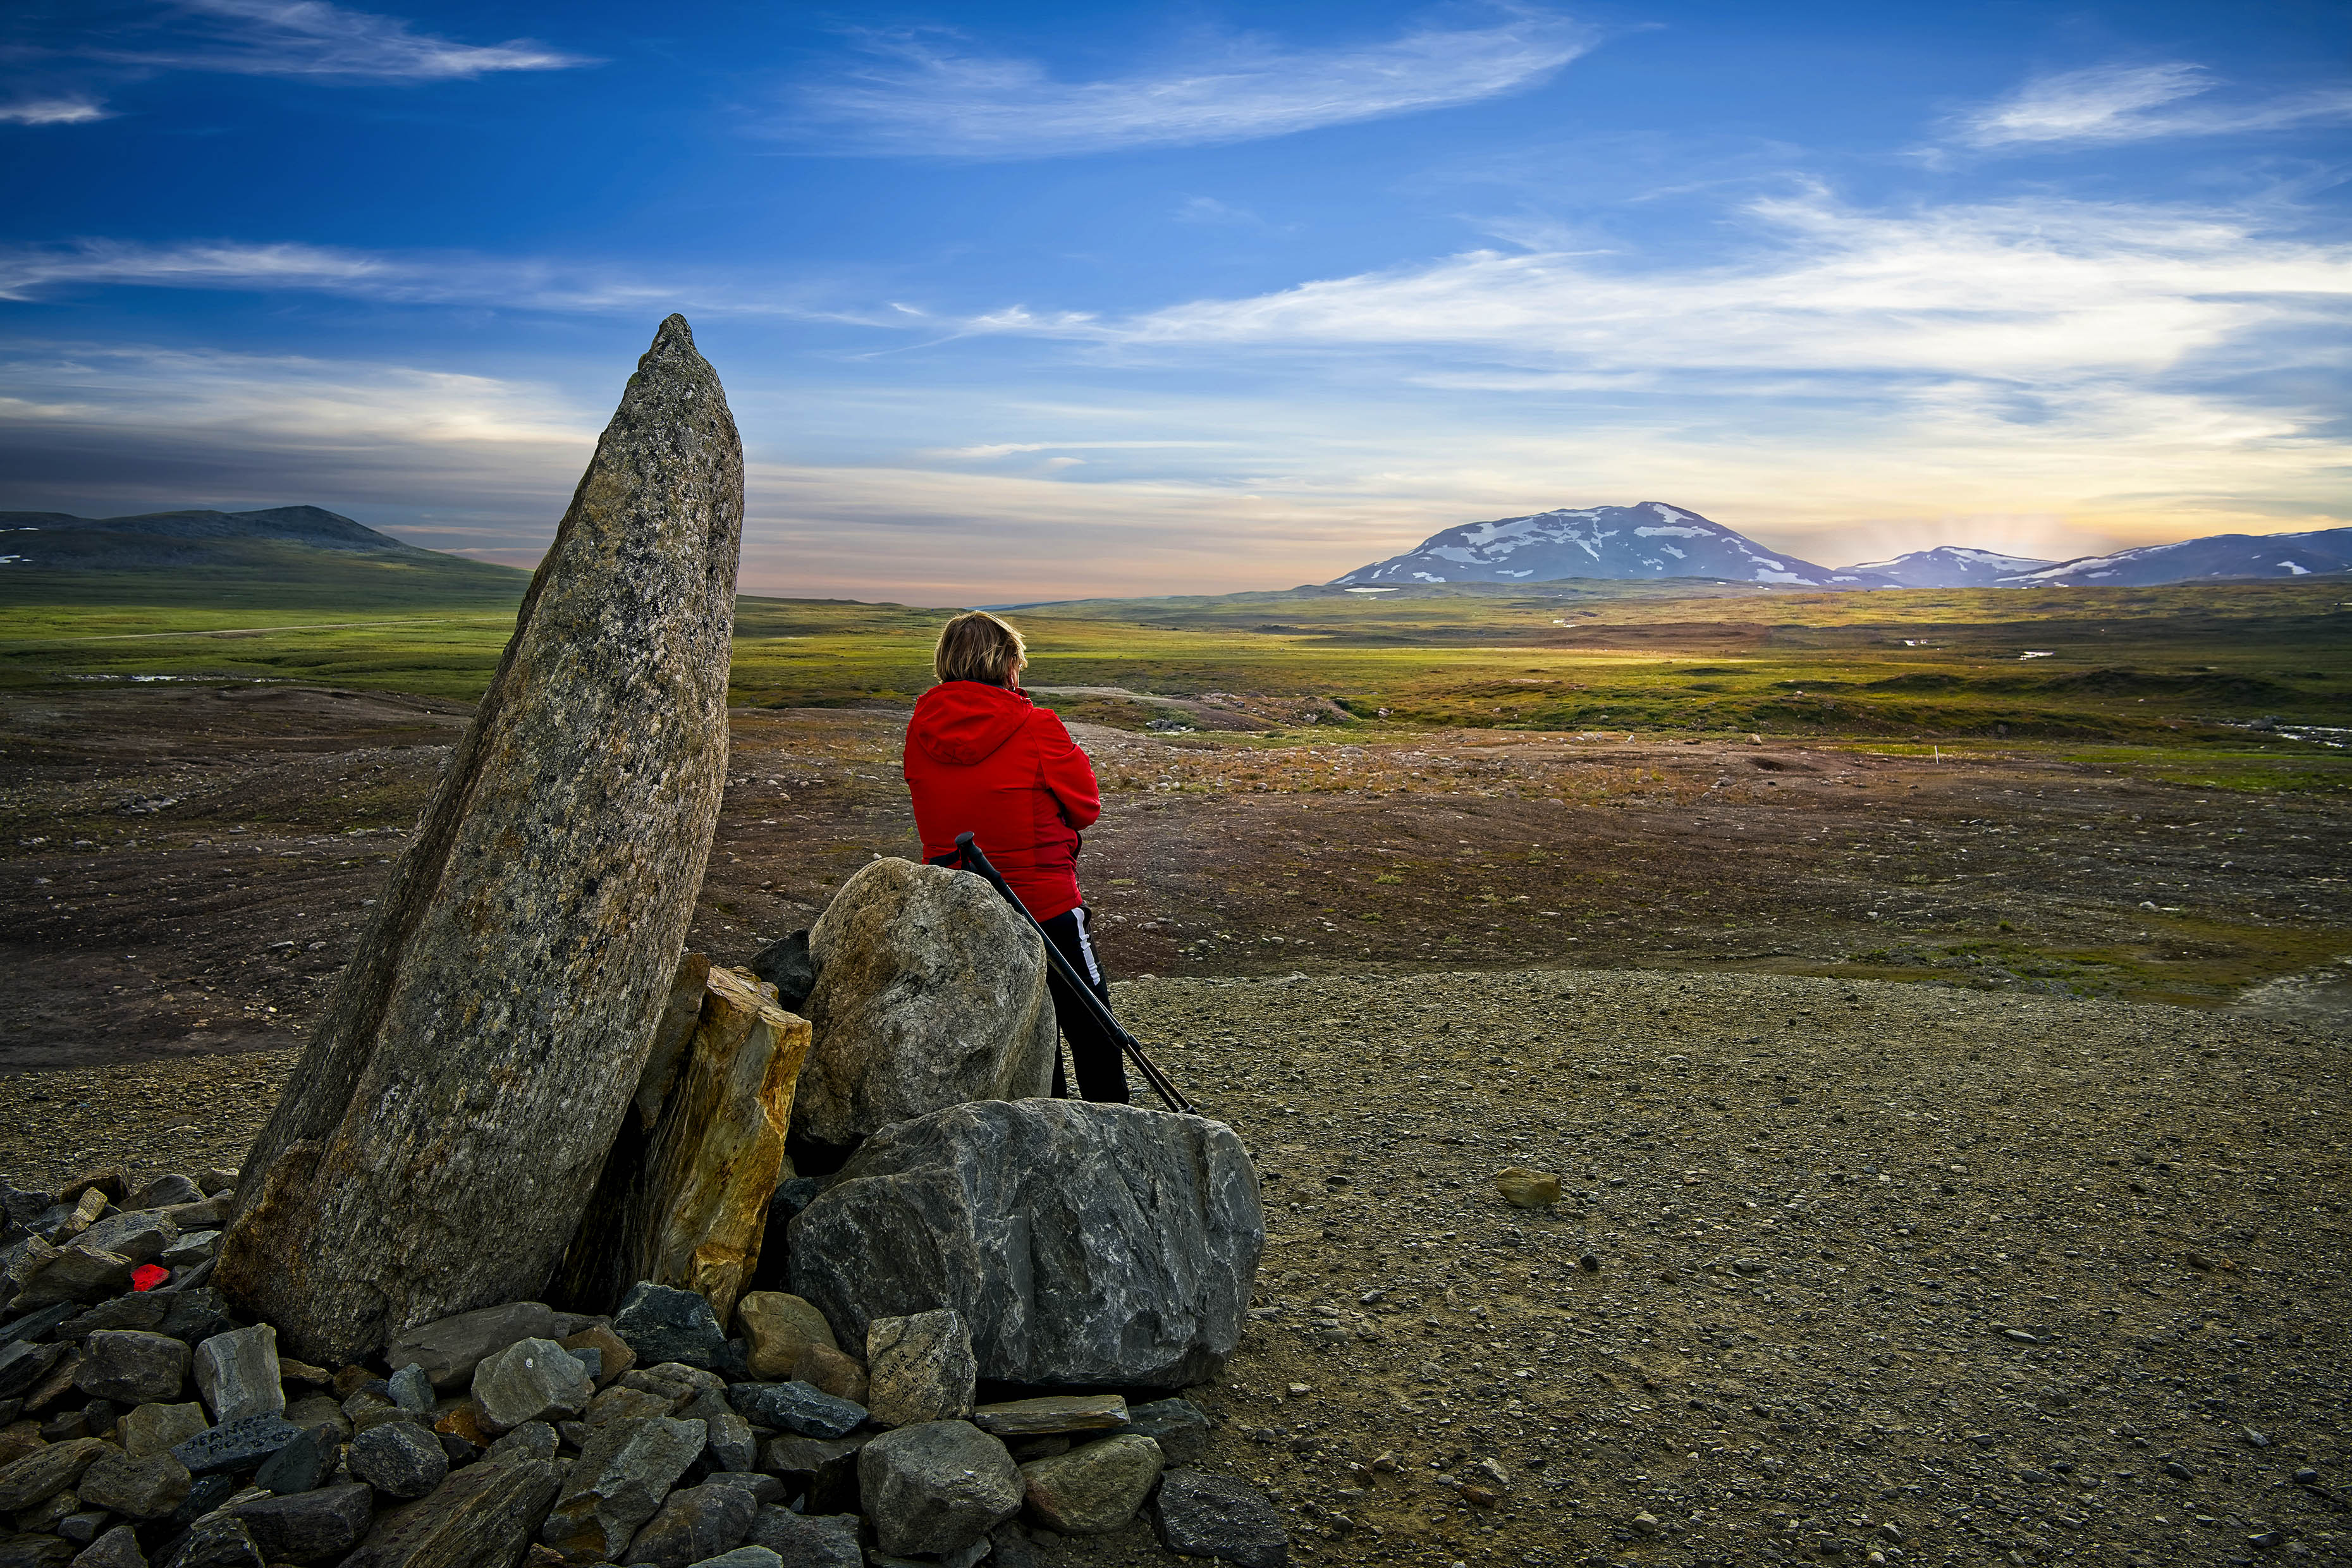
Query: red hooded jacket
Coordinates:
[984,760]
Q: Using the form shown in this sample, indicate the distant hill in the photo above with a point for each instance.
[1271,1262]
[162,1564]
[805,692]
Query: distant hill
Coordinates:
[1947,566]
[1649,539]
[292,554]
[2218,558]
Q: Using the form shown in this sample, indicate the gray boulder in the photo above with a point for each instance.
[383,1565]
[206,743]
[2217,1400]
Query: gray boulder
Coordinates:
[449,1349]
[929,992]
[809,1541]
[311,1526]
[531,1379]
[131,1367]
[936,1488]
[238,1375]
[1201,1515]
[482,1517]
[618,1481]
[693,1523]
[920,1368]
[399,1459]
[1085,1245]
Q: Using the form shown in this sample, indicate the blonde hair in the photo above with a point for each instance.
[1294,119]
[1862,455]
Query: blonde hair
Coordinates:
[976,645]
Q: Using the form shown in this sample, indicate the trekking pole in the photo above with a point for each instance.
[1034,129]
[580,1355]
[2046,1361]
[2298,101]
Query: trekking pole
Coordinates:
[968,847]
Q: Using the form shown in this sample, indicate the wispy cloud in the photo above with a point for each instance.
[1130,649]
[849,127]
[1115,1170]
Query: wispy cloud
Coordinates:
[71,110]
[925,97]
[2108,104]
[313,38]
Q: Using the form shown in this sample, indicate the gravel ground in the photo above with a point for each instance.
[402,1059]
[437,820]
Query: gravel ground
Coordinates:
[1843,1268]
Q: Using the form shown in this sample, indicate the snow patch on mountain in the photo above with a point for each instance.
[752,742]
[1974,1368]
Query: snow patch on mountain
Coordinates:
[1608,542]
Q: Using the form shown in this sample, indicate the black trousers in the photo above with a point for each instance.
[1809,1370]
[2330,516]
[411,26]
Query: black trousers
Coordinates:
[1102,1072]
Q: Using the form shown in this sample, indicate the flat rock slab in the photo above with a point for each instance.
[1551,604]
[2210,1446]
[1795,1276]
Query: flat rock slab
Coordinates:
[1085,1245]
[929,992]
[799,1408]
[236,1445]
[481,1517]
[618,1482]
[45,1472]
[1201,1515]
[1051,1414]
[450,1348]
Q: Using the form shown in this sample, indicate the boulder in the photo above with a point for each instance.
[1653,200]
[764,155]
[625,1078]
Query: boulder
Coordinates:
[45,1472]
[931,991]
[399,1459]
[809,1541]
[309,1526]
[920,1368]
[481,1517]
[1180,1427]
[116,1548]
[1083,1244]
[449,1349]
[1051,1414]
[158,1428]
[838,1374]
[777,1328]
[237,1373]
[136,1488]
[936,1488]
[531,1379]
[437,1145]
[1093,1490]
[796,1407]
[1201,1515]
[618,1481]
[131,1367]
[693,1523]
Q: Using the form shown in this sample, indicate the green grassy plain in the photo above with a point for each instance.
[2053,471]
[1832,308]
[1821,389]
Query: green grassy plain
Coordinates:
[2162,681]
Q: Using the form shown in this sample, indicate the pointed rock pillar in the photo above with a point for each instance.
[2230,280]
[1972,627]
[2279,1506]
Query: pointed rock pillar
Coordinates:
[439,1139]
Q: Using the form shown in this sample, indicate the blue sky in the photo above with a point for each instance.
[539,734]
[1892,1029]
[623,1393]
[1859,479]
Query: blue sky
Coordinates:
[1035,301]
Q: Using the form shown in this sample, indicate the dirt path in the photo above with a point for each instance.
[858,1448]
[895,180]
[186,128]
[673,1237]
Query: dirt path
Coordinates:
[1872,1267]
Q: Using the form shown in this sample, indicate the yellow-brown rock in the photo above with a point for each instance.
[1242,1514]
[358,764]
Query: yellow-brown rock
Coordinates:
[778,1327]
[1525,1189]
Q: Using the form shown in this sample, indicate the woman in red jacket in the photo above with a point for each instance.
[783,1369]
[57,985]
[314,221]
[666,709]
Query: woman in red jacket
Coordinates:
[983,758]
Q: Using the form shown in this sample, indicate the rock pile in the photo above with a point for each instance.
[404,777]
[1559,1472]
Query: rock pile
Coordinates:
[151,1428]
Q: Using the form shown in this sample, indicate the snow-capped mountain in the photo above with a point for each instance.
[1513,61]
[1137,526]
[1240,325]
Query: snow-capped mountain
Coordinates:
[1648,540]
[1949,566]
[2219,555]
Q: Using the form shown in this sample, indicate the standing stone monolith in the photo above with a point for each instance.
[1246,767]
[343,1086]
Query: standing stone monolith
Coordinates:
[438,1142]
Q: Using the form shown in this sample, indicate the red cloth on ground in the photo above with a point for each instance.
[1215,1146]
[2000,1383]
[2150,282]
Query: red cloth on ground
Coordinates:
[986,761]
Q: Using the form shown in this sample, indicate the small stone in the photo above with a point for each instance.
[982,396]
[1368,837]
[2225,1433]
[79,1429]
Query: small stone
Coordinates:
[661,1323]
[809,1541]
[761,1488]
[1589,1263]
[625,1403]
[23,1365]
[44,1517]
[615,1355]
[411,1387]
[81,1529]
[1182,1429]
[825,1469]
[215,1182]
[1525,1189]
[1094,1489]
[2306,1476]
[1052,1412]
[2177,1470]
[693,1524]
[618,1481]
[309,1526]
[192,1248]
[2256,1439]
[936,1488]
[399,1459]
[234,1445]
[131,1367]
[1201,1515]
[303,1465]
[796,1407]
[216,1540]
[136,1488]
[207,1493]
[834,1372]
[743,1557]
[482,1517]
[237,1373]
[921,1368]
[1647,1522]
[449,1349]
[1892,1532]
[118,1548]
[46,1472]
[733,1446]
[777,1327]
[531,1379]
[531,1440]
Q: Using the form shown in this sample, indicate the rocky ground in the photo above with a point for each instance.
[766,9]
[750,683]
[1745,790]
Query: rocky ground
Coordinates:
[1941,1273]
